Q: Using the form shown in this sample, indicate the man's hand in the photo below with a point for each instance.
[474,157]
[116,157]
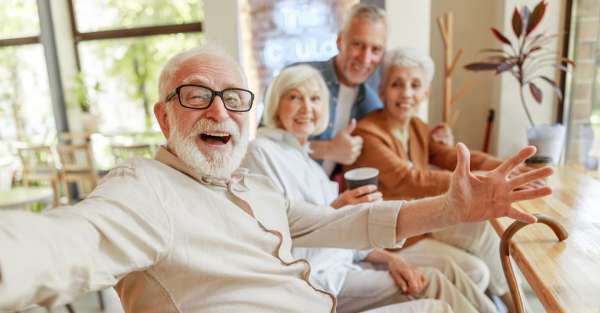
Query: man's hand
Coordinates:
[343,148]
[367,193]
[408,278]
[442,133]
[524,168]
[473,198]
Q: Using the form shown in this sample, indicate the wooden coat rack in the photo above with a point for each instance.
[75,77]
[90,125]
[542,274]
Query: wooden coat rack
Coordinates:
[445,25]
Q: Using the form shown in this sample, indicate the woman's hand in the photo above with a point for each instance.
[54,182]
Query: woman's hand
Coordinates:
[442,133]
[367,193]
[472,198]
[408,278]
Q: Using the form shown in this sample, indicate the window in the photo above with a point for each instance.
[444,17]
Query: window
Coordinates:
[121,54]
[25,108]
[584,114]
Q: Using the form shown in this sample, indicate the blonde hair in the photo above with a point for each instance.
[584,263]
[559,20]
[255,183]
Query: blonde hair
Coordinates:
[288,79]
[406,57]
[360,10]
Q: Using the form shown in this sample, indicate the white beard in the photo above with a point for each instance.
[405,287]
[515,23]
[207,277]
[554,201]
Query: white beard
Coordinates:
[216,164]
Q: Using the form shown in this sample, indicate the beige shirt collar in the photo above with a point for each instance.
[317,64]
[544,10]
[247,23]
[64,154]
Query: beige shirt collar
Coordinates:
[165,156]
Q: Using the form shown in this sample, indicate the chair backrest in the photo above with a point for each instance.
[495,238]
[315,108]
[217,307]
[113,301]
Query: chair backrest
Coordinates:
[78,167]
[39,166]
[38,163]
[78,137]
[124,152]
[76,157]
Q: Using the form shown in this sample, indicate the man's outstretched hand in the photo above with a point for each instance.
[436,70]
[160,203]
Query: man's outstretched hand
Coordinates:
[475,198]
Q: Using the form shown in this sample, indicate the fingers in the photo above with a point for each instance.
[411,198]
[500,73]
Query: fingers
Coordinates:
[356,142]
[367,193]
[522,216]
[528,194]
[351,126]
[421,281]
[414,282]
[359,191]
[424,280]
[463,159]
[530,177]
[508,165]
[400,282]
[372,197]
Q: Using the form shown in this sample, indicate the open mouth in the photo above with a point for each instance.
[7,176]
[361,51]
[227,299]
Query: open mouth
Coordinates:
[360,68]
[302,120]
[403,105]
[215,138]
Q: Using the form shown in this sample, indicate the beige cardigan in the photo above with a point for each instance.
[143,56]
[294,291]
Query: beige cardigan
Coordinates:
[398,178]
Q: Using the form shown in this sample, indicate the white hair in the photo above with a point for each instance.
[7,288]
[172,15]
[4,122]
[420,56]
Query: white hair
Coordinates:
[407,57]
[288,79]
[361,10]
[206,50]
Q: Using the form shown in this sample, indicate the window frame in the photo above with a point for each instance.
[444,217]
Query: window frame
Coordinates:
[127,32]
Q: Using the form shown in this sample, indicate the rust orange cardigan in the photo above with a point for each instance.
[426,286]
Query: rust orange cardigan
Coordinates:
[397,178]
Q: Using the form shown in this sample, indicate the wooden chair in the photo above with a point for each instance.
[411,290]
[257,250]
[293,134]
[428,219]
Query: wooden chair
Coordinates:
[39,165]
[78,167]
[124,152]
[75,137]
[505,250]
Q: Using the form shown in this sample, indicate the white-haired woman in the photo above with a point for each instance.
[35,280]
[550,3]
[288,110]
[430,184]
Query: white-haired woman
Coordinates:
[401,146]
[296,108]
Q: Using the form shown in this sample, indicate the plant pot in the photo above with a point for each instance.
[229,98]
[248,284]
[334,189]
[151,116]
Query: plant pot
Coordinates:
[549,141]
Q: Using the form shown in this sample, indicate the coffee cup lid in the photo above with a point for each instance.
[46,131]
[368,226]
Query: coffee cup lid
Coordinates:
[361,173]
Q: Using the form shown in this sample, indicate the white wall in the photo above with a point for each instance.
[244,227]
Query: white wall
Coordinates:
[472,20]
[222,25]
[408,26]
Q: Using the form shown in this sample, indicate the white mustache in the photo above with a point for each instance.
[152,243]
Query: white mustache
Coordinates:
[208,125]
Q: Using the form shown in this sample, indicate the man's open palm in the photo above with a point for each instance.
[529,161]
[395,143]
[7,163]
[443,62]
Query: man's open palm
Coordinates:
[482,197]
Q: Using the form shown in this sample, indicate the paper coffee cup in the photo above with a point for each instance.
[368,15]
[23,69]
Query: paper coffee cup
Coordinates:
[361,176]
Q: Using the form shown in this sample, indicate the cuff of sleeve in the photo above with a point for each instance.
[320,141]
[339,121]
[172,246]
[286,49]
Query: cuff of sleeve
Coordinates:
[360,255]
[383,217]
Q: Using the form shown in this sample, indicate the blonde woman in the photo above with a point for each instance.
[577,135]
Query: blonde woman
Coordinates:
[297,107]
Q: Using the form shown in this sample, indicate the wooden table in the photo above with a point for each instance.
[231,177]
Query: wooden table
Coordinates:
[20,197]
[564,275]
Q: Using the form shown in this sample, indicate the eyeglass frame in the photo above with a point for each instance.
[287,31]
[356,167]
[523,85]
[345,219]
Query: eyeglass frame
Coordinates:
[214,93]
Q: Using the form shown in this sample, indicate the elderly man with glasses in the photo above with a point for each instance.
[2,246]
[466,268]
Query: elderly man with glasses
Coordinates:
[192,232]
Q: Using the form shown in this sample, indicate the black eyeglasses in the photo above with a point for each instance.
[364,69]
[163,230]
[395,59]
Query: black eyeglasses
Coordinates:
[201,97]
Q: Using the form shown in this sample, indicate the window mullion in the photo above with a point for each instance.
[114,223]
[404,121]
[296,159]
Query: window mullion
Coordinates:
[47,38]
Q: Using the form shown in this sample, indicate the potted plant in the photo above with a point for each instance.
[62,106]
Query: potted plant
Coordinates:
[525,56]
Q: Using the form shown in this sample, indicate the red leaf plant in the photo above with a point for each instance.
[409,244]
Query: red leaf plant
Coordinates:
[526,55]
